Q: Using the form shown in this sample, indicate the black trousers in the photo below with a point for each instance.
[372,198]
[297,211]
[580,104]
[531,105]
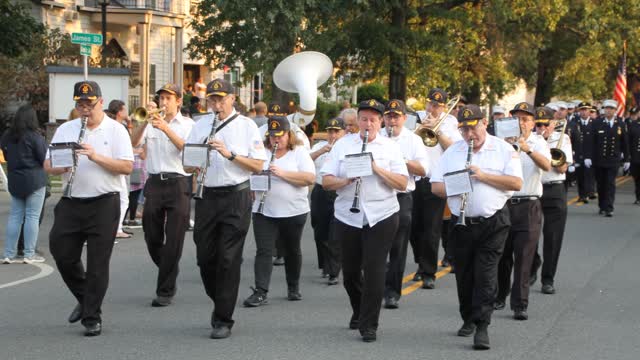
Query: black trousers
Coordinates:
[606,183]
[322,221]
[635,172]
[585,178]
[287,233]
[477,250]
[364,255]
[519,251]
[554,212]
[426,227]
[165,221]
[221,225]
[133,203]
[94,221]
[398,252]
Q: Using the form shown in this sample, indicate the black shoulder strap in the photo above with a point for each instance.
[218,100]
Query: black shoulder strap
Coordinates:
[215,130]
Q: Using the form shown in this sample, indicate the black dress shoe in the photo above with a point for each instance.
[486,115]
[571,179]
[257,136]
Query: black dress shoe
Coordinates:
[533,278]
[161,301]
[368,335]
[391,303]
[608,213]
[293,294]
[354,323]
[548,289]
[601,212]
[76,314]
[481,339]
[467,329]
[593,196]
[220,332]
[499,304]
[332,280]
[278,261]
[637,202]
[428,283]
[93,329]
[417,277]
[520,314]
[445,262]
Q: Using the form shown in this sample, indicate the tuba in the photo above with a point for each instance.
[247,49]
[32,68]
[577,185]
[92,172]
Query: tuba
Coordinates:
[558,157]
[303,73]
[429,136]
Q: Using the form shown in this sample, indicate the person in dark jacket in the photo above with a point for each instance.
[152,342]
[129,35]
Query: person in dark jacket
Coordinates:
[25,150]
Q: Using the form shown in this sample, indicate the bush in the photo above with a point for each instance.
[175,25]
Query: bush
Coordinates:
[372,91]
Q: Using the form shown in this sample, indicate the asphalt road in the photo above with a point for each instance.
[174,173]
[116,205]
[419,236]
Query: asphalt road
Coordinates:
[594,315]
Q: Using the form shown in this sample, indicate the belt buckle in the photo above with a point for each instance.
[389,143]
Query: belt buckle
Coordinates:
[514,201]
[163,177]
[475,221]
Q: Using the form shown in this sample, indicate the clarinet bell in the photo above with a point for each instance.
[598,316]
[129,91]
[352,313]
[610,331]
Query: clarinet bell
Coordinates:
[67,192]
[199,191]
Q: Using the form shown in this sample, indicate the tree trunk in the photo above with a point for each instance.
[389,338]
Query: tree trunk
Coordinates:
[398,56]
[544,82]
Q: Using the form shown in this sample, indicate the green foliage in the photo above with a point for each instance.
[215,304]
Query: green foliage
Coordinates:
[372,91]
[17,27]
[325,111]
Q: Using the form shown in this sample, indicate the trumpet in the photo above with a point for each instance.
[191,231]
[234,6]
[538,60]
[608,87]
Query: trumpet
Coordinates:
[429,136]
[558,157]
[141,114]
[355,207]
[72,175]
[463,204]
[264,193]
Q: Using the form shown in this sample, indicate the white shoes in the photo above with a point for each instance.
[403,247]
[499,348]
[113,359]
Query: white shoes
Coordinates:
[34,259]
[8,261]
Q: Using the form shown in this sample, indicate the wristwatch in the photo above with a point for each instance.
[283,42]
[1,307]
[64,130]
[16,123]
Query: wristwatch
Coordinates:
[233,156]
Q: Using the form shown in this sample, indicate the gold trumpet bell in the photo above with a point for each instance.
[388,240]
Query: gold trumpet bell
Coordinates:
[428,136]
[141,114]
[558,157]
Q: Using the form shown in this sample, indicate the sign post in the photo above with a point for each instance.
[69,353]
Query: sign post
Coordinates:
[86,40]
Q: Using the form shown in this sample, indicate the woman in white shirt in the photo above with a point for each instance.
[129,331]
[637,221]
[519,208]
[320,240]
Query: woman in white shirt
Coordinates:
[282,217]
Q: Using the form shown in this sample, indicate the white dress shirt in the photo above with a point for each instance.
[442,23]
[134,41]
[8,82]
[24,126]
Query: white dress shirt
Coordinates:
[496,157]
[377,200]
[412,148]
[240,136]
[285,199]
[109,139]
[553,175]
[531,173]
[449,127]
[162,154]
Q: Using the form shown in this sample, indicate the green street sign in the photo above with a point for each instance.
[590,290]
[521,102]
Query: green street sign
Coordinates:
[86,38]
[85,50]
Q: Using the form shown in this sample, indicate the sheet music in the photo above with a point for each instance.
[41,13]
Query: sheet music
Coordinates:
[358,165]
[62,157]
[260,182]
[208,116]
[458,182]
[195,155]
[507,127]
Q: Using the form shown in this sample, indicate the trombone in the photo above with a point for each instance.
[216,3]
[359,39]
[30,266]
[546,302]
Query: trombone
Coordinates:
[141,114]
[429,136]
[558,157]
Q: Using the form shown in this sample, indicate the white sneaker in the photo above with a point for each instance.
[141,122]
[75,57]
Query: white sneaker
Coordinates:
[33,259]
[8,261]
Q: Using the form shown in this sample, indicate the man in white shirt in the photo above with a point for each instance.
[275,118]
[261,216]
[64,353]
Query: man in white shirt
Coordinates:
[415,157]
[553,200]
[495,172]
[366,212]
[92,211]
[165,217]
[223,214]
[526,216]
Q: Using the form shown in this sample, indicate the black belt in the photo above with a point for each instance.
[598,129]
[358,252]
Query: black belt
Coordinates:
[521,199]
[474,220]
[403,194]
[91,199]
[553,183]
[166,176]
[230,188]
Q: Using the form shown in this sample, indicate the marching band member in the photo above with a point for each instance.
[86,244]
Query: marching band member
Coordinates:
[223,216]
[526,216]
[92,212]
[415,157]
[366,212]
[553,200]
[495,173]
[328,249]
[167,191]
[279,215]
[428,209]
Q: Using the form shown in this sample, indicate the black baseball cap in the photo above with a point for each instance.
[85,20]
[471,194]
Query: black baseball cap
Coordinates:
[438,95]
[584,105]
[469,115]
[219,87]
[524,107]
[278,125]
[371,104]
[336,124]
[86,90]
[172,89]
[276,109]
[544,114]
[395,106]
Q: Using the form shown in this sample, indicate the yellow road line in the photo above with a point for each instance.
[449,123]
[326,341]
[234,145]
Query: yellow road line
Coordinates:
[413,287]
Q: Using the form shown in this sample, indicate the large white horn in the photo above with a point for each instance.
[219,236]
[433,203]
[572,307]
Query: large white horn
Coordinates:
[303,73]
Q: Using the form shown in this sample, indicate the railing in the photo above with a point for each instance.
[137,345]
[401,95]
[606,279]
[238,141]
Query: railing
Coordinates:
[169,6]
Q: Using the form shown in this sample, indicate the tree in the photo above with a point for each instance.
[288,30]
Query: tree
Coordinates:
[17,27]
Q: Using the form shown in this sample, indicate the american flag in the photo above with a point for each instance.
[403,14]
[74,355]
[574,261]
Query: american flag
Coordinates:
[620,92]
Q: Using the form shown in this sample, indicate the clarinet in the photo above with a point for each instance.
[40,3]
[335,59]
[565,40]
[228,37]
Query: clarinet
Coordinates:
[203,170]
[463,204]
[355,207]
[69,187]
[264,193]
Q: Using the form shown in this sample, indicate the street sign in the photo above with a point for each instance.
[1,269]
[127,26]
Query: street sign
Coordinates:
[86,38]
[85,50]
